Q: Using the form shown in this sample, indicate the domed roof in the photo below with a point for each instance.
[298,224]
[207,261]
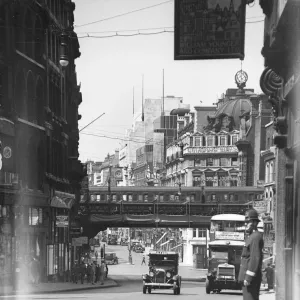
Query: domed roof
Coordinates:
[179,111]
[234,108]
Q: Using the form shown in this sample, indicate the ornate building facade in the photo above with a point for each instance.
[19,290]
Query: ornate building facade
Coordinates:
[39,135]
[280,81]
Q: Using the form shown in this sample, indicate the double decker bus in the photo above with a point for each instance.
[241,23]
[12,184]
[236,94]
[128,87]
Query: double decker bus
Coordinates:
[227,239]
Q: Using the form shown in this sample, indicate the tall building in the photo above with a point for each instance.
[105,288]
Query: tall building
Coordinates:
[218,146]
[40,170]
[280,81]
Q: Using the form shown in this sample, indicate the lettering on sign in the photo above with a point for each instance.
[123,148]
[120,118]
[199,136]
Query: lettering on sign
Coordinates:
[228,235]
[261,206]
[220,149]
[208,29]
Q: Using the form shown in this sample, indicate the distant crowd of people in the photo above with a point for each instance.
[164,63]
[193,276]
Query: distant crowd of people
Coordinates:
[91,272]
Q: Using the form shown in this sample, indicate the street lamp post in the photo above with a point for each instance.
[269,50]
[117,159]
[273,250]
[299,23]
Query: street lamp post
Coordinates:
[109,189]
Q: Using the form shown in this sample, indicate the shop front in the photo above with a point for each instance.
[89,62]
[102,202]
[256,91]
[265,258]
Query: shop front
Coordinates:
[59,246]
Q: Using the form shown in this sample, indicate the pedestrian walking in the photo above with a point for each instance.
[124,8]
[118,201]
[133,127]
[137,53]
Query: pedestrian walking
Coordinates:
[97,277]
[250,274]
[89,273]
[144,259]
[106,269]
[102,271]
[269,270]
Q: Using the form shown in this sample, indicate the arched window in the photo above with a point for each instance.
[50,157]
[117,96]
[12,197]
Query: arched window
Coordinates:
[267,172]
[20,96]
[28,28]
[1,89]
[31,101]
[271,172]
[39,40]
[40,101]
[2,29]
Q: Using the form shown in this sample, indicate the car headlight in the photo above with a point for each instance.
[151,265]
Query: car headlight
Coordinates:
[168,274]
[151,274]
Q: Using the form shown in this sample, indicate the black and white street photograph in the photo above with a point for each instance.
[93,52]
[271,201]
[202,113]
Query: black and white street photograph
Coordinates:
[150,148]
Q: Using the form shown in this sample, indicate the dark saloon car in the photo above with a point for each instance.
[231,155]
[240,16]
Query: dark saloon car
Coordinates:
[163,272]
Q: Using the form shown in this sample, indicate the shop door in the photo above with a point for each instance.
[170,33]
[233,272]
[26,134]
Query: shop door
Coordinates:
[199,256]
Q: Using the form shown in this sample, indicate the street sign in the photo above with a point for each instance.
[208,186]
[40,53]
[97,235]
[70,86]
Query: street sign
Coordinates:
[62,221]
[261,206]
[209,29]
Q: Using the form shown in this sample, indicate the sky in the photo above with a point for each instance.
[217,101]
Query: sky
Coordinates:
[110,68]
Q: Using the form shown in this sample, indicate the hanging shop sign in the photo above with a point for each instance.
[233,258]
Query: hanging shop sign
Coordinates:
[261,206]
[62,221]
[209,29]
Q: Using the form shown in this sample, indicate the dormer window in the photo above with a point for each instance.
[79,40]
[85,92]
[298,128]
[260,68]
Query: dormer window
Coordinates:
[222,140]
[234,139]
[210,141]
[198,140]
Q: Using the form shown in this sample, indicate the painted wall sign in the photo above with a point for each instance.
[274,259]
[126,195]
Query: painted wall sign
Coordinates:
[218,149]
[209,29]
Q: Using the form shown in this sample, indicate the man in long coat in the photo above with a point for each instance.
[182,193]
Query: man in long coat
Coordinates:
[251,262]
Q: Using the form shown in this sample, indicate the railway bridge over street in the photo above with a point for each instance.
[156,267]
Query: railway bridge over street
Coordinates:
[160,207]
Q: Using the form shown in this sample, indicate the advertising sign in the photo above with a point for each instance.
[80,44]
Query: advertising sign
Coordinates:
[228,235]
[209,29]
[80,241]
[261,206]
[62,221]
[218,149]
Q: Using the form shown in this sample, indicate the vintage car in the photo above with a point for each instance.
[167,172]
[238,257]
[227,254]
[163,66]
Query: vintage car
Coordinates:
[163,272]
[138,248]
[111,258]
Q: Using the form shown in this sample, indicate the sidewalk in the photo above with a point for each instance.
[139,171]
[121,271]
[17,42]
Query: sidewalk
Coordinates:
[44,288]
[267,295]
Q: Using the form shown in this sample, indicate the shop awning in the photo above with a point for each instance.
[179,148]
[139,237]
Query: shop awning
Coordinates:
[62,200]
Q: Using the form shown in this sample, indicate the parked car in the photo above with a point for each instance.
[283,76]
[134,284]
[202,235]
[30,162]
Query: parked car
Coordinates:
[163,272]
[111,258]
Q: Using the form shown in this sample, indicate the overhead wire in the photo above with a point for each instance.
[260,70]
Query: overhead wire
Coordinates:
[123,14]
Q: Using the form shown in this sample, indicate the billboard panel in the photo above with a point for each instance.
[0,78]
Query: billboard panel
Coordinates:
[209,29]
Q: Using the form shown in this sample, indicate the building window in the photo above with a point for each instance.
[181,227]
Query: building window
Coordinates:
[234,161]
[35,216]
[224,161]
[209,162]
[198,141]
[194,232]
[201,233]
[210,141]
[234,139]
[267,172]
[222,140]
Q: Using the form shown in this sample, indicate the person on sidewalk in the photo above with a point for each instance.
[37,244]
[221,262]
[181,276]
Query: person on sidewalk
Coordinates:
[97,274]
[93,271]
[144,259]
[250,274]
[270,276]
[82,271]
[106,270]
[102,271]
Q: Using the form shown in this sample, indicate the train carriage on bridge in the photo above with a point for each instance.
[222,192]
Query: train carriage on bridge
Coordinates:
[164,206]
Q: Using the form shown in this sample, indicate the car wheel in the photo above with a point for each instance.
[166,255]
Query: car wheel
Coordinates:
[207,286]
[149,290]
[144,289]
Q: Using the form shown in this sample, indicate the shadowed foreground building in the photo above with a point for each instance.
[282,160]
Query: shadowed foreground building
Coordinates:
[39,101]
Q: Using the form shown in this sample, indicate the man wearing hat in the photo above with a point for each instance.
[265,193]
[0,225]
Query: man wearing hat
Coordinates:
[251,263]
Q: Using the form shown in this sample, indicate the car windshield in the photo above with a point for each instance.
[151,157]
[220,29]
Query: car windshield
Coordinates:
[218,254]
[155,262]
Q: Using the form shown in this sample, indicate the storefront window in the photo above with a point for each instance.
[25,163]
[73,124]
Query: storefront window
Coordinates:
[35,216]
[50,262]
